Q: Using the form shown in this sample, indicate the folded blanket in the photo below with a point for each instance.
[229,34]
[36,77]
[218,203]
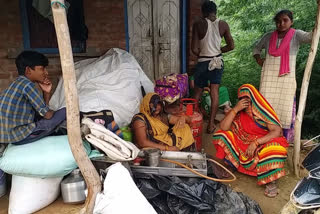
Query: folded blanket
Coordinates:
[111,144]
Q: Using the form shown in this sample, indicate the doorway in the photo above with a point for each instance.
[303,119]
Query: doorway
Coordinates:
[154,35]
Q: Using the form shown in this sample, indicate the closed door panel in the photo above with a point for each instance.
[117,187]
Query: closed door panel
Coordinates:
[167,37]
[141,34]
[154,33]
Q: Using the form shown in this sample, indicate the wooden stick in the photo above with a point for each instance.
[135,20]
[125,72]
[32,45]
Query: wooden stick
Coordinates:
[304,92]
[90,174]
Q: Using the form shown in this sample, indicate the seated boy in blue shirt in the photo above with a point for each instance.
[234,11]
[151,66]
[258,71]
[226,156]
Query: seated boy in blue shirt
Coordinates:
[22,102]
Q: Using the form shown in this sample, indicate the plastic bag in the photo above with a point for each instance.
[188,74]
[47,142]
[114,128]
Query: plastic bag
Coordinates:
[127,134]
[177,195]
[112,81]
[120,194]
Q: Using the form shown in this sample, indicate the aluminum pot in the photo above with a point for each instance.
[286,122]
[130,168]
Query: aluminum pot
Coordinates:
[73,188]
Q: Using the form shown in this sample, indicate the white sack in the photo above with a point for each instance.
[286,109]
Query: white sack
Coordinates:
[112,82]
[121,195]
[29,194]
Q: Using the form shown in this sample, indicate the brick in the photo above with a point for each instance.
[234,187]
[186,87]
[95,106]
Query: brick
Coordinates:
[5,75]
[104,19]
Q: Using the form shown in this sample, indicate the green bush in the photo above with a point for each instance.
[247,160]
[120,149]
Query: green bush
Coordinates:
[248,21]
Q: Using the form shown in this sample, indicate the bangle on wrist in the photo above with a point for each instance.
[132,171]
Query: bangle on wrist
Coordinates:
[166,148]
[234,112]
[256,142]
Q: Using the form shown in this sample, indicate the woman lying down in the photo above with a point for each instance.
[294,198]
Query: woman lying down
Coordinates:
[155,128]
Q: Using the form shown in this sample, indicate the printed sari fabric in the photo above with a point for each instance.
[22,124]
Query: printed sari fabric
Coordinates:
[268,162]
[159,132]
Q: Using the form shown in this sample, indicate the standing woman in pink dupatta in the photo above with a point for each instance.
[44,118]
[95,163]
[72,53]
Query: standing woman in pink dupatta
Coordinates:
[278,78]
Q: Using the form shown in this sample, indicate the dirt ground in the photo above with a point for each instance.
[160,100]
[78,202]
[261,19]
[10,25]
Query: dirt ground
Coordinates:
[248,185]
[244,184]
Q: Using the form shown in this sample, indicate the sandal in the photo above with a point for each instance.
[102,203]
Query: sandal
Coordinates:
[211,131]
[271,190]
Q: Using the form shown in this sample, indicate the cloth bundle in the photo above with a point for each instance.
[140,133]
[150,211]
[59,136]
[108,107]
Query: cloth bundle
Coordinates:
[172,87]
[215,63]
[111,82]
[105,118]
[111,144]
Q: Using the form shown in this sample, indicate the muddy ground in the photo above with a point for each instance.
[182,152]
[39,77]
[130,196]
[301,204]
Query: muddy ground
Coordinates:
[244,183]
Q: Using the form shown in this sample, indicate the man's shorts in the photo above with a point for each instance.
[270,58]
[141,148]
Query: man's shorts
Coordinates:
[202,75]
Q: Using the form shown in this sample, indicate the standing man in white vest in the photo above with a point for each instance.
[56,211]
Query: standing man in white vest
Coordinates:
[207,34]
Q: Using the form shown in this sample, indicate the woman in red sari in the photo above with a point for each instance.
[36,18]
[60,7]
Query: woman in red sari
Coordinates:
[251,139]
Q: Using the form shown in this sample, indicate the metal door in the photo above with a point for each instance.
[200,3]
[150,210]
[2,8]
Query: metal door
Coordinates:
[141,35]
[154,35]
[167,37]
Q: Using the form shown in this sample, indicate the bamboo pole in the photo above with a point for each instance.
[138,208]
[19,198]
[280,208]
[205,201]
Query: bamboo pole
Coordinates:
[73,120]
[304,92]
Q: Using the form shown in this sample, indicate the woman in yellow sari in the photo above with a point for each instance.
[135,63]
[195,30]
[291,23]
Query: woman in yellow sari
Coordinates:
[152,127]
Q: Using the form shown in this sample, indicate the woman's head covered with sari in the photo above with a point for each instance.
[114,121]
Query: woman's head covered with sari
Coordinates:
[180,137]
[149,104]
[262,111]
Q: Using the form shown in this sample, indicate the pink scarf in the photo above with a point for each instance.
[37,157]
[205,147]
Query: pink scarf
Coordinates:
[283,51]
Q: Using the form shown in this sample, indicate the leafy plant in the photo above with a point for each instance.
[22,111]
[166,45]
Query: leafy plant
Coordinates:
[248,21]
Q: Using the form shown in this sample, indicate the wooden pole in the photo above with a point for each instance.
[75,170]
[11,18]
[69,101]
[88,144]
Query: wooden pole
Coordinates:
[90,174]
[304,92]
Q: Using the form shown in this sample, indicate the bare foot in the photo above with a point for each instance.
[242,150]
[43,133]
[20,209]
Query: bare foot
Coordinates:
[271,190]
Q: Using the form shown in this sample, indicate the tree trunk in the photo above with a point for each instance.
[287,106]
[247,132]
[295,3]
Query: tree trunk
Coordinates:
[73,120]
[304,92]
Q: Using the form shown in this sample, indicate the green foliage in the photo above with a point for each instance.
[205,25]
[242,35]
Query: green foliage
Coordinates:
[249,20]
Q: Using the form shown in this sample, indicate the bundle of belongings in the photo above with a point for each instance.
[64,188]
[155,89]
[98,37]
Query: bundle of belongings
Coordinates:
[111,144]
[112,81]
[105,118]
[120,194]
[37,170]
[172,87]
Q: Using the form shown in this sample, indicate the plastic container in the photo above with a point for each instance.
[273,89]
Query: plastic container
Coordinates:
[206,102]
[73,188]
[3,183]
[224,99]
[153,157]
[127,134]
[192,110]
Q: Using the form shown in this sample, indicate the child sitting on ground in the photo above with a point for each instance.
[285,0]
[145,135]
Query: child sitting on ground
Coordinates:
[22,102]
